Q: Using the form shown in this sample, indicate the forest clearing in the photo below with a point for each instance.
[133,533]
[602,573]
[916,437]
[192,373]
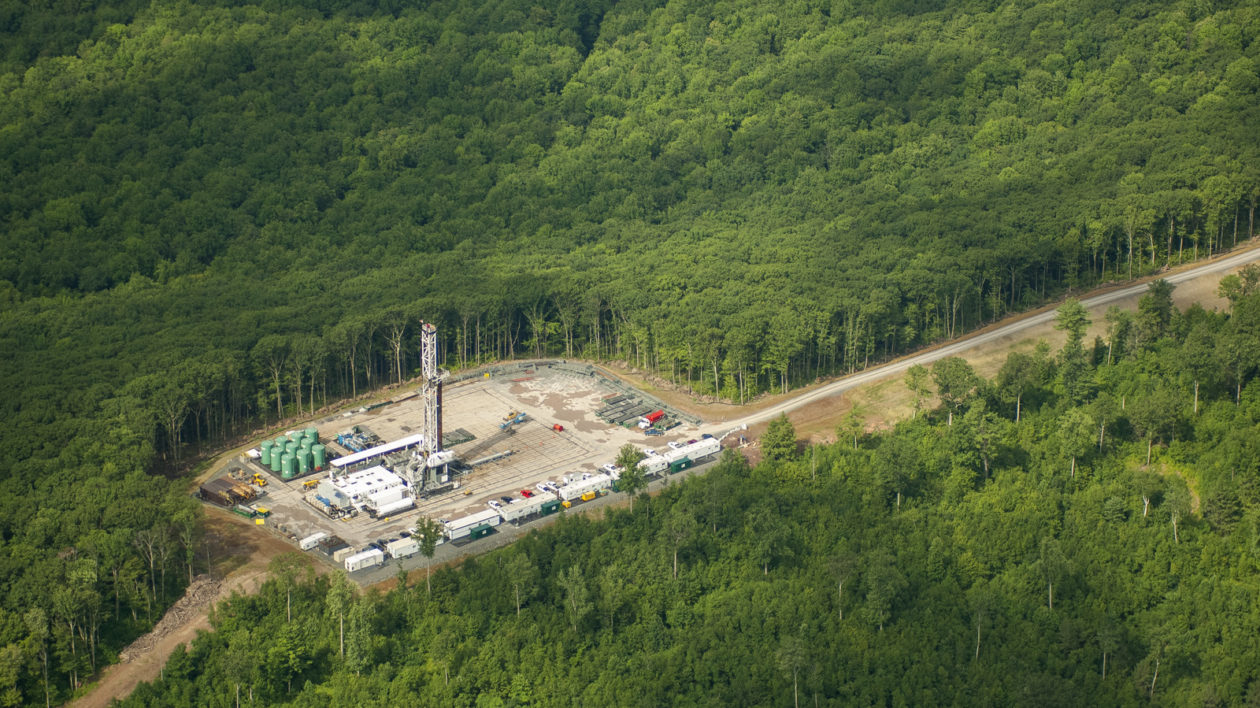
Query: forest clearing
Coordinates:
[881,402]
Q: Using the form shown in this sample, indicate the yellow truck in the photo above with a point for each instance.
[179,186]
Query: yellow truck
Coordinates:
[259,480]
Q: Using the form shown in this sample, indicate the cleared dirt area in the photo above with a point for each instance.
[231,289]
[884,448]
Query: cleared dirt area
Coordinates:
[239,557]
[508,458]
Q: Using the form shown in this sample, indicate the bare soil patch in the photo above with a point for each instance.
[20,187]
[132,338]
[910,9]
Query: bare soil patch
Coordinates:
[239,558]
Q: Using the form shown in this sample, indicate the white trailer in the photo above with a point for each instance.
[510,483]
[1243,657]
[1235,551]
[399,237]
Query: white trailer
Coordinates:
[395,507]
[367,559]
[703,448]
[653,465]
[524,507]
[578,487]
[676,455]
[402,548]
[311,541]
[462,528]
[385,497]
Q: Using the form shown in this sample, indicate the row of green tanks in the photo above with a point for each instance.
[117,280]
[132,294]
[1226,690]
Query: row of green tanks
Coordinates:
[294,454]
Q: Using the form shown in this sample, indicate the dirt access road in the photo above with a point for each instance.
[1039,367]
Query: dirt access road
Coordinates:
[1214,269]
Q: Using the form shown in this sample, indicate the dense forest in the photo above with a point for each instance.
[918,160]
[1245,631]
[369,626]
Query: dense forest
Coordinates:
[224,214]
[1096,544]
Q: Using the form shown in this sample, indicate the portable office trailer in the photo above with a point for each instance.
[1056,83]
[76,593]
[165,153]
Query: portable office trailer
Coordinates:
[674,456]
[578,487]
[653,465]
[311,541]
[460,528]
[402,548]
[367,559]
[342,553]
[703,448]
[522,508]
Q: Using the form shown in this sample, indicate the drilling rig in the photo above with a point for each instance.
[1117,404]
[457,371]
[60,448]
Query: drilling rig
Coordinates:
[430,466]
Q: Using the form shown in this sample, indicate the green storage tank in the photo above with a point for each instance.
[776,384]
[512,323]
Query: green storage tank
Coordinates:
[276,454]
[303,464]
[265,457]
[317,451]
[281,440]
[288,465]
[291,447]
[313,434]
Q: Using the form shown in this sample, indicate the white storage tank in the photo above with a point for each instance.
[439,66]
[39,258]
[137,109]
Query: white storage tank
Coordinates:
[395,507]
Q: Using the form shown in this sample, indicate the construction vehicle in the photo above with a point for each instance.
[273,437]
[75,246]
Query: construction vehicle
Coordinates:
[310,484]
[558,428]
[258,480]
[519,418]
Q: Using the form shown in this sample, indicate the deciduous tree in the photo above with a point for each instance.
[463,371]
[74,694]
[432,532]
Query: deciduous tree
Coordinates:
[955,381]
